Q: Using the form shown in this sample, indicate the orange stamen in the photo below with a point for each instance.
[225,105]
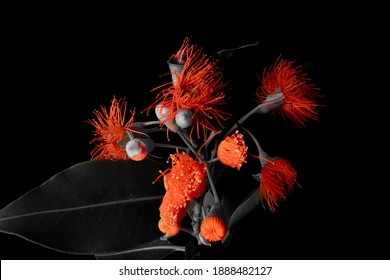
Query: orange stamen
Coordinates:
[277,180]
[232,151]
[199,88]
[110,129]
[213,229]
[300,95]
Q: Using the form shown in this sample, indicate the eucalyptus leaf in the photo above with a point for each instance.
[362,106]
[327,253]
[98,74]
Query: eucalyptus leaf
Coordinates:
[93,207]
[154,250]
[208,202]
[250,203]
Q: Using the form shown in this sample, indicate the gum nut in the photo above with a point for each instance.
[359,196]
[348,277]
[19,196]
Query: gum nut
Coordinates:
[134,148]
[162,113]
[184,119]
[273,101]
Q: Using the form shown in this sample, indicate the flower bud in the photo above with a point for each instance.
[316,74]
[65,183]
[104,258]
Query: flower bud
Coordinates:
[162,114]
[183,118]
[213,227]
[164,227]
[175,67]
[137,149]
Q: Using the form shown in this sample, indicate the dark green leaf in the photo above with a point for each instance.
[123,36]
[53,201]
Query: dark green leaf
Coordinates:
[94,207]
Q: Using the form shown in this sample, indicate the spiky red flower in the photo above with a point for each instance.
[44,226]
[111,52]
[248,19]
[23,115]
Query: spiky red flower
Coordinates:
[198,87]
[300,102]
[277,179]
[232,151]
[110,129]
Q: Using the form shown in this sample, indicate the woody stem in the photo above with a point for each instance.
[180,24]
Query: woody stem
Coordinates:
[213,189]
[241,121]
[274,102]
[143,124]
[213,160]
[163,145]
[186,141]
[262,155]
[212,186]
[156,129]
[193,143]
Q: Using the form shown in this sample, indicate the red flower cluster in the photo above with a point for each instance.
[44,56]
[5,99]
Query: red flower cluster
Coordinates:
[185,181]
[198,87]
[192,101]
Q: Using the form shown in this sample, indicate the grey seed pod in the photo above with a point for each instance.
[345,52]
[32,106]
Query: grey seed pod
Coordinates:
[162,114]
[272,101]
[175,67]
[184,118]
[136,149]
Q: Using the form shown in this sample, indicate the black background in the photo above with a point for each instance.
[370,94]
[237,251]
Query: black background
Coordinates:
[63,62]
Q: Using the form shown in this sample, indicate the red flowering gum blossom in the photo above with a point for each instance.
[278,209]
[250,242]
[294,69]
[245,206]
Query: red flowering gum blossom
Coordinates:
[169,229]
[187,176]
[185,181]
[300,103]
[277,179]
[110,129]
[213,229]
[198,87]
[172,210]
[232,151]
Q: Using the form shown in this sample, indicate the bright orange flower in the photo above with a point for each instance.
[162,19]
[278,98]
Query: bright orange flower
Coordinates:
[173,208]
[300,95]
[187,176]
[166,228]
[110,129]
[183,182]
[232,151]
[198,87]
[277,179]
[213,229]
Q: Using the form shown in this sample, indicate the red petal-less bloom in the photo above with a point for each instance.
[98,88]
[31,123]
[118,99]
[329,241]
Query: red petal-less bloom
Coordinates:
[199,87]
[213,229]
[168,229]
[277,179]
[110,129]
[172,210]
[232,151]
[183,182]
[300,103]
[187,176]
